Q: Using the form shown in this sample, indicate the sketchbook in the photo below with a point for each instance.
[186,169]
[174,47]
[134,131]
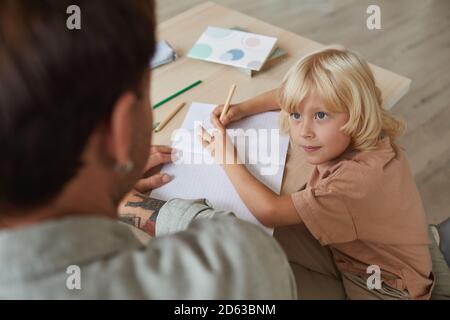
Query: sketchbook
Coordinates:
[233,47]
[195,174]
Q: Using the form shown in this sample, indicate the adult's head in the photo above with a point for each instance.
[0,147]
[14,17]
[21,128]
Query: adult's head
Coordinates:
[74,104]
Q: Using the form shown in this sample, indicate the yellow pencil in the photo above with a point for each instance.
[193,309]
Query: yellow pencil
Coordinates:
[169,117]
[227,102]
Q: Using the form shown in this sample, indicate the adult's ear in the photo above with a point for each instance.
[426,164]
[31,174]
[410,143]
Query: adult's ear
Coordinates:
[120,140]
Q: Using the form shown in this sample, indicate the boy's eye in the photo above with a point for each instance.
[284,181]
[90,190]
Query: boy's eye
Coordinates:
[321,115]
[295,116]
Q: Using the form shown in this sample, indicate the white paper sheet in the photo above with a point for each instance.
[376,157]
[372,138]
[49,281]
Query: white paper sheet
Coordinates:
[196,175]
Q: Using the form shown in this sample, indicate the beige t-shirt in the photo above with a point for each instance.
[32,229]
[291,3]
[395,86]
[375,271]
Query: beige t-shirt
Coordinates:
[366,207]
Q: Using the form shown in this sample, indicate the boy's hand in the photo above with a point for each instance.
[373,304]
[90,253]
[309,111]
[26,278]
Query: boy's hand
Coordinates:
[234,113]
[219,145]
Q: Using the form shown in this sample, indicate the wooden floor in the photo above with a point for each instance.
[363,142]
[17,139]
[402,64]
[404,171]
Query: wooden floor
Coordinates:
[414,41]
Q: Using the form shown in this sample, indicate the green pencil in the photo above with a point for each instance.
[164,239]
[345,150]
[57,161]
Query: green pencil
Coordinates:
[176,94]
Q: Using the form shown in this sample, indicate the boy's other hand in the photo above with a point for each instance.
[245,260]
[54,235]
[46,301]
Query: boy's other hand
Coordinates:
[219,145]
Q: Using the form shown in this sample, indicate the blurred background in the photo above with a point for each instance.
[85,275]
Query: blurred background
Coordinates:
[414,41]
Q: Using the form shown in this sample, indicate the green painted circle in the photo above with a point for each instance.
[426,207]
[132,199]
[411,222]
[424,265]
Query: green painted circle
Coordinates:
[201,51]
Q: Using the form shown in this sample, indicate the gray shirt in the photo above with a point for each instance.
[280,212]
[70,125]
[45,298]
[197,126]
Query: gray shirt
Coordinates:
[199,253]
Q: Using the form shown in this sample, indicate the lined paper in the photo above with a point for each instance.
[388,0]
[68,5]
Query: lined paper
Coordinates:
[196,175]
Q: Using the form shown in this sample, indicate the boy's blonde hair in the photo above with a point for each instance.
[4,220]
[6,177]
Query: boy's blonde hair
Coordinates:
[345,83]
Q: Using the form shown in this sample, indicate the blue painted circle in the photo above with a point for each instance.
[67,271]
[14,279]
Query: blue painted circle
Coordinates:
[226,57]
[232,55]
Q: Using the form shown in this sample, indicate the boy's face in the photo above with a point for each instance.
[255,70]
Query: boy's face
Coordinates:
[316,130]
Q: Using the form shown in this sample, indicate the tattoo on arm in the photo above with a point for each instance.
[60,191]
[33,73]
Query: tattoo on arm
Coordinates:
[147,203]
[142,212]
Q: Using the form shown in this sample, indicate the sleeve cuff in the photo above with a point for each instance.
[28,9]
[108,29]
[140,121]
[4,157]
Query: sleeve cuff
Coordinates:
[306,213]
[176,214]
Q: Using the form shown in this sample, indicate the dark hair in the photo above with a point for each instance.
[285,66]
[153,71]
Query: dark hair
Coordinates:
[57,85]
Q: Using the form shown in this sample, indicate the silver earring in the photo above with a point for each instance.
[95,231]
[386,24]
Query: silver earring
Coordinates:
[124,168]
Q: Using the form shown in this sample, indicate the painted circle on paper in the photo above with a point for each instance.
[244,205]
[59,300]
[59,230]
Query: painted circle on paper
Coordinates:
[252,42]
[218,33]
[201,51]
[232,55]
[254,65]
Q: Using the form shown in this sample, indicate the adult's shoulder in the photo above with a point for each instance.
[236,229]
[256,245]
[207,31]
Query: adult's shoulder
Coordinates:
[219,258]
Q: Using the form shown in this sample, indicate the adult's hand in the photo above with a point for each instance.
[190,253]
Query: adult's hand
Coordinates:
[137,208]
[158,155]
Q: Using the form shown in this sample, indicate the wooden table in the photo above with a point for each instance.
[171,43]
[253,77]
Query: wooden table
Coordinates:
[182,32]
